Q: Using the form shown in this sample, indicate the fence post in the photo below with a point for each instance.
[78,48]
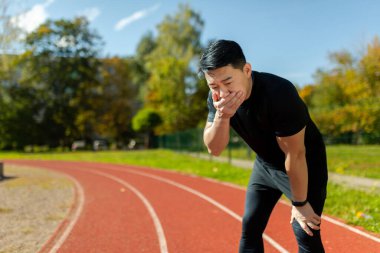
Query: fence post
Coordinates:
[1,170]
[229,152]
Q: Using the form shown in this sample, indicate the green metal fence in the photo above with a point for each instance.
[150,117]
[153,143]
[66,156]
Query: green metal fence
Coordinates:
[192,141]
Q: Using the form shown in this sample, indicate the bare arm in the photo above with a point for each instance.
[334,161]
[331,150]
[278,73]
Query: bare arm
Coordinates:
[217,133]
[296,168]
[295,164]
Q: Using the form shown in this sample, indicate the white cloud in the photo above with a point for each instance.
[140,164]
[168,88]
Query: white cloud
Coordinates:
[134,17]
[91,13]
[66,41]
[31,19]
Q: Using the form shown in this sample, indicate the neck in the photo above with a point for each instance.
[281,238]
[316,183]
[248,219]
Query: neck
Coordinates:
[250,85]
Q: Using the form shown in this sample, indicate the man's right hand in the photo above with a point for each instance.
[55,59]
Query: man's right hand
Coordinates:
[227,106]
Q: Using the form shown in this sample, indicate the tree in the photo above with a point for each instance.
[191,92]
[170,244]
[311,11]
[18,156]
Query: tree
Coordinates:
[369,71]
[114,108]
[60,68]
[9,36]
[344,99]
[369,67]
[145,121]
[139,69]
[141,74]
[173,87]
[14,113]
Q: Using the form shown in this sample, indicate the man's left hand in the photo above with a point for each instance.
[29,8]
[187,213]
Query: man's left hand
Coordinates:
[306,217]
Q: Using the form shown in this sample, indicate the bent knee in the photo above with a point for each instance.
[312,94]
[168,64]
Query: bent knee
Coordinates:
[307,243]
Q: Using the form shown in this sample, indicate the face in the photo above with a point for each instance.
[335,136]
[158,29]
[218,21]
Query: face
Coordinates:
[222,81]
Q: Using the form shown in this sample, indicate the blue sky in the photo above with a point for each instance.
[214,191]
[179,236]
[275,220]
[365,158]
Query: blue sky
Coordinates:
[289,38]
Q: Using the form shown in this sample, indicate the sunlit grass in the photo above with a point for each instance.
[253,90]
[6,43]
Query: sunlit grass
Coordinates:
[359,160]
[355,160]
[356,207]
[164,159]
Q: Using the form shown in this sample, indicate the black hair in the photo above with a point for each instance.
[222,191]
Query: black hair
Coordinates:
[221,53]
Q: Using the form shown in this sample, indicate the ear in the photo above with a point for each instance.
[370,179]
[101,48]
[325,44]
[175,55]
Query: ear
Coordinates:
[247,69]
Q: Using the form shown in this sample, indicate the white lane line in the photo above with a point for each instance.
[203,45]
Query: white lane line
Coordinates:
[329,219]
[355,230]
[341,224]
[205,197]
[76,215]
[156,220]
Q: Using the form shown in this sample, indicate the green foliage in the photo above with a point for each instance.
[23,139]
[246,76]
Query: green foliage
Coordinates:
[139,67]
[9,35]
[146,120]
[170,59]
[59,70]
[115,103]
[344,99]
[369,67]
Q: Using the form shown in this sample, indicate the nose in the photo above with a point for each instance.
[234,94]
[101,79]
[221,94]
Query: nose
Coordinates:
[223,92]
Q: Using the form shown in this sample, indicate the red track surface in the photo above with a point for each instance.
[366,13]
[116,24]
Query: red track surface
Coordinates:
[109,214]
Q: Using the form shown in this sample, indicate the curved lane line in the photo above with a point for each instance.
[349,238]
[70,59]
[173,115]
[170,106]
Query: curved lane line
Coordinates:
[341,224]
[327,218]
[156,221]
[205,197]
[355,230]
[76,215]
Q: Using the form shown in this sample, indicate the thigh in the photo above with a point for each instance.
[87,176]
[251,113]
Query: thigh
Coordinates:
[261,197]
[316,193]
[258,208]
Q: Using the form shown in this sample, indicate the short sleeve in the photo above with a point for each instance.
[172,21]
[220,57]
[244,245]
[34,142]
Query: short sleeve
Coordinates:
[211,108]
[289,113]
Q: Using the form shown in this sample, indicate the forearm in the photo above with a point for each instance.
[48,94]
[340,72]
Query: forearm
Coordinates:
[216,136]
[296,168]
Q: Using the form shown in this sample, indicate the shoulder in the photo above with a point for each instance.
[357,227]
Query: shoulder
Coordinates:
[287,111]
[273,84]
[210,102]
[209,98]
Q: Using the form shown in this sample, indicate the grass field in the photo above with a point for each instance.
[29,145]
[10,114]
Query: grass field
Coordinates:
[356,207]
[360,160]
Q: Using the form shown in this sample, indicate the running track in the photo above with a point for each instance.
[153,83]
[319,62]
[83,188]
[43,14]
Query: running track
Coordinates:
[134,209]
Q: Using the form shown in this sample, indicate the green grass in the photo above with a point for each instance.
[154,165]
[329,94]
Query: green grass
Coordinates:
[359,160]
[356,207]
[342,202]
[164,159]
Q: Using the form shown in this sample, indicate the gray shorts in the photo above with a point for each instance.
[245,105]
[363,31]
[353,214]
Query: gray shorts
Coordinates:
[265,177]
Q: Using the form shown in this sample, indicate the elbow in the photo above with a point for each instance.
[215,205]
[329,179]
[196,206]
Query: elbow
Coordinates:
[214,148]
[214,152]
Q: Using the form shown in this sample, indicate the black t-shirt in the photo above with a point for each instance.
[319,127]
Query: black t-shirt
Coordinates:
[274,108]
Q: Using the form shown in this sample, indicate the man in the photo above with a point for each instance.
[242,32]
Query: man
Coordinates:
[267,112]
